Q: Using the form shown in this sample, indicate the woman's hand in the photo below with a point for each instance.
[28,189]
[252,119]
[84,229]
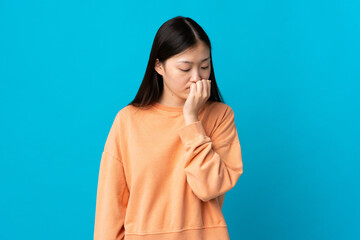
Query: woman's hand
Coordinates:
[199,94]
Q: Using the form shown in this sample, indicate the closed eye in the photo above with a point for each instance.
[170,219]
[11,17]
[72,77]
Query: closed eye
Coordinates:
[186,70]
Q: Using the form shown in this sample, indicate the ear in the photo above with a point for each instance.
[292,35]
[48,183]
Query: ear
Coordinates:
[159,67]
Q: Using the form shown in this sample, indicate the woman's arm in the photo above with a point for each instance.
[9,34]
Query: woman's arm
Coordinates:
[213,165]
[112,191]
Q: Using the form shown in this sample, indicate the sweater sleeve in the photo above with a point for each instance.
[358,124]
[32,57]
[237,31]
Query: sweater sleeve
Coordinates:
[112,191]
[212,164]
[220,200]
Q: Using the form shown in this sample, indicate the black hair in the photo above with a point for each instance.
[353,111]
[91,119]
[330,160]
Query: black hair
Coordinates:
[173,37]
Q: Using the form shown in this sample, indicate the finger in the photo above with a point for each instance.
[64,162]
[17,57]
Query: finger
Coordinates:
[192,89]
[205,88]
[199,87]
[209,87]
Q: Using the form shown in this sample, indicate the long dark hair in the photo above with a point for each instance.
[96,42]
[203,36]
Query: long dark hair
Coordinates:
[173,37]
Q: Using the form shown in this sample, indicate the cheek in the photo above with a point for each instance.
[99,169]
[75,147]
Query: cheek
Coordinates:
[176,82]
[180,85]
[179,81]
[208,73]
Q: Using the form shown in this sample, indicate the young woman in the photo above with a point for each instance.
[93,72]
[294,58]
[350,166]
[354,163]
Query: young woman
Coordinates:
[173,152]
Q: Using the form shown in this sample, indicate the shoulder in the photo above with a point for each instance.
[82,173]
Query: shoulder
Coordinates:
[126,110]
[123,113]
[128,114]
[220,110]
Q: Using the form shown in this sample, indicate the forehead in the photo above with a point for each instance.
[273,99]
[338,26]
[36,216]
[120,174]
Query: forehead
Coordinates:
[199,53]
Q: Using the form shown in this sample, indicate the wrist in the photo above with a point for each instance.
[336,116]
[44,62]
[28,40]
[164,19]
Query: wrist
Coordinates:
[190,118]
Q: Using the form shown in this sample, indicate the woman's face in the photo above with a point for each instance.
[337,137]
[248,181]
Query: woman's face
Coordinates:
[183,69]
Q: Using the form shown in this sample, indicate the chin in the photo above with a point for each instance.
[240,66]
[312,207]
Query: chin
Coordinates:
[184,96]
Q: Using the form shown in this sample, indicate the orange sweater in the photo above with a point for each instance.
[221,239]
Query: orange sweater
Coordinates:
[160,179]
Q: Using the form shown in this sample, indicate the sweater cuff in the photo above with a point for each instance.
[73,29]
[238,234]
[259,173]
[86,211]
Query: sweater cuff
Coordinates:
[191,131]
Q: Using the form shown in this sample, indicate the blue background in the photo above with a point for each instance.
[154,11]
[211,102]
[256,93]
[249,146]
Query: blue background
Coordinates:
[289,69]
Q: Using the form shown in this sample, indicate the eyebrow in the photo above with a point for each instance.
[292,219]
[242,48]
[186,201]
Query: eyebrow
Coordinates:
[192,62]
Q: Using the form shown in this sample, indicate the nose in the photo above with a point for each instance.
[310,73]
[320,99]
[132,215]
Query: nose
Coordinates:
[195,76]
